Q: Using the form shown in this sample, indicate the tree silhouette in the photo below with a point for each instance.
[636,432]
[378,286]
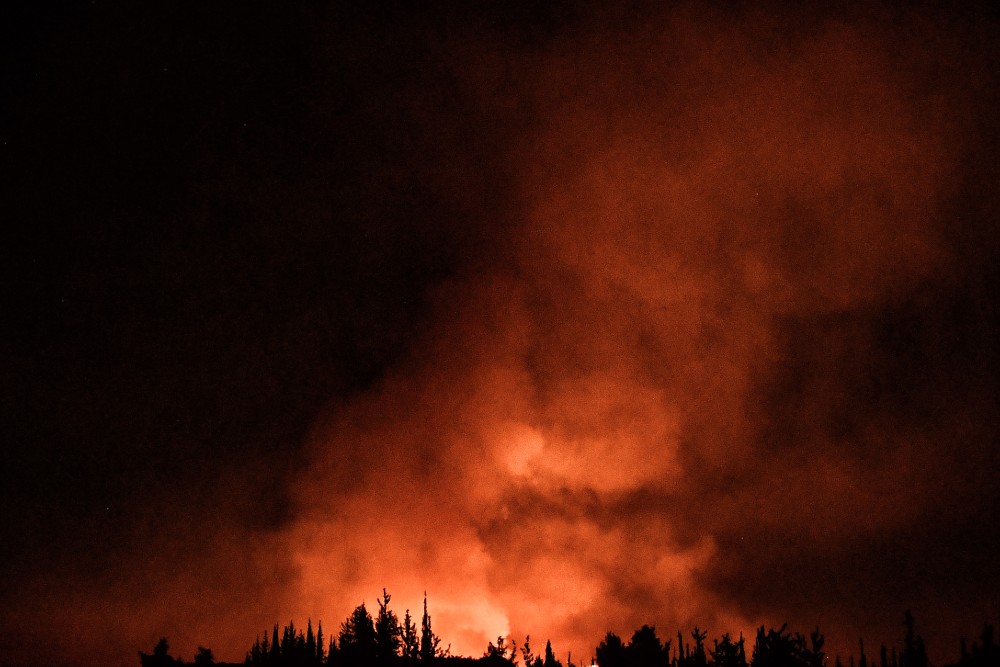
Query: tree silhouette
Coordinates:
[293,645]
[358,643]
[698,658]
[727,653]
[611,651]
[777,648]
[988,653]
[814,654]
[204,657]
[310,642]
[274,657]
[253,655]
[160,657]
[500,653]
[367,642]
[645,649]
[550,657]
[411,641]
[333,653]
[914,654]
[388,633]
[530,659]
[429,642]
[985,652]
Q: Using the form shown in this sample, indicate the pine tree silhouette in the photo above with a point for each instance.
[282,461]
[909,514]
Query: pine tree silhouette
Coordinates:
[274,658]
[358,643]
[310,646]
[367,642]
[429,642]
[388,633]
[411,641]
[333,653]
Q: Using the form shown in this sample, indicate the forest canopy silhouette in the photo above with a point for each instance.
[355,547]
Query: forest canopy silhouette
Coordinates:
[364,640]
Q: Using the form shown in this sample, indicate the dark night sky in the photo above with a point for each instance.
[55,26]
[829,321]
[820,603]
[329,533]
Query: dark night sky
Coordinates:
[577,319]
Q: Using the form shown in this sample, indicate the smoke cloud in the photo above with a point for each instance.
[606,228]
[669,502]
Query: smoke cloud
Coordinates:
[724,374]
[574,318]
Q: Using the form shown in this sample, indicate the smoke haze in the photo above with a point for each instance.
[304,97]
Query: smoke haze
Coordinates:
[575,319]
[704,386]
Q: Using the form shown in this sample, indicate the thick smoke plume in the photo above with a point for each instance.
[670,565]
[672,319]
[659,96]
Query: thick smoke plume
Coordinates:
[724,373]
[575,318]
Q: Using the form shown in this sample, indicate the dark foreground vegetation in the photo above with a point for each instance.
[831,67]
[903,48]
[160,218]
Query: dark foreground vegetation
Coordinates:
[385,641]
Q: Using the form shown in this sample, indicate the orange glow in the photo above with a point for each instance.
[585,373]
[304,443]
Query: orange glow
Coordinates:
[540,463]
[701,338]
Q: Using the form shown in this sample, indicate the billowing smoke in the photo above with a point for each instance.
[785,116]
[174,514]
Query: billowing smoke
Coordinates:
[727,371]
[574,318]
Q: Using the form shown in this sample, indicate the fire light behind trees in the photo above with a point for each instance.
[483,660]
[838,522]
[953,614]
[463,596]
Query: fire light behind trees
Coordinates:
[678,395]
[365,641]
[580,316]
